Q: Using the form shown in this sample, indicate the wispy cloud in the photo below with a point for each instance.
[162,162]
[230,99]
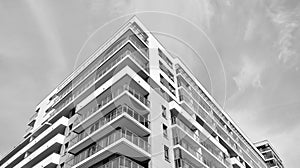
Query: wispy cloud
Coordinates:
[52,39]
[249,29]
[249,75]
[288,22]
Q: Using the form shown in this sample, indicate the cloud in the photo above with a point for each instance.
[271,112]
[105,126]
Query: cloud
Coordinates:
[45,23]
[249,75]
[249,29]
[287,22]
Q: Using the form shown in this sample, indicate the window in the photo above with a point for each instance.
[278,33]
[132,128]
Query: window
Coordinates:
[164,112]
[166,150]
[165,131]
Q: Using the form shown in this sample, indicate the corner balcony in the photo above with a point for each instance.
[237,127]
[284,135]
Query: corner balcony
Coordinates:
[121,95]
[126,56]
[137,47]
[120,141]
[122,116]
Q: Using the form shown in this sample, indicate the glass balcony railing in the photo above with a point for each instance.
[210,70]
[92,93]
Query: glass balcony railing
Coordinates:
[115,93]
[108,140]
[193,152]
[182,163]
[107,56]
[139,32]
[195,91]
[205,116]
[107,118]
[207,146]
[118,162]
[88,84]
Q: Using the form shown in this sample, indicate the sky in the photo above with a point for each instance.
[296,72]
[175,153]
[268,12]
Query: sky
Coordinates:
[245,53]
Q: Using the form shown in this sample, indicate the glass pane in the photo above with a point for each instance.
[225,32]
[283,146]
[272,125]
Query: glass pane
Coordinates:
[115,163]
[127,163]
[121,161]
[129,135]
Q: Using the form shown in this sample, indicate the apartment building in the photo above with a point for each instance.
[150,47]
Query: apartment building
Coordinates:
[132,104]
[271,157]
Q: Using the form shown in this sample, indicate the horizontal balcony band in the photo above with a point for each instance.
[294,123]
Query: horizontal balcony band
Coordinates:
[84,65]
[50,162]
[45,134]
[52,146]
[200,141]
[115,98]
[118,162]
[109,55]
[120,141]
[123,116]
[99,75]
[67,104]
[193,157]
[185,77]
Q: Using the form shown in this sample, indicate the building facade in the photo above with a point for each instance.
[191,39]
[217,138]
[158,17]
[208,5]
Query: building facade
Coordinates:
[131,104]
[270,155]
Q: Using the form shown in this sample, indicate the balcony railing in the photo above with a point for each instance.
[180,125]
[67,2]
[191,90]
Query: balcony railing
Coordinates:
[139,32]
[190,81]
[182,163]
[105,58]
[119,162]
[89,83]
[192,151]
[198,139]
[115,93]
[198,110]
[107,118]
[108,140]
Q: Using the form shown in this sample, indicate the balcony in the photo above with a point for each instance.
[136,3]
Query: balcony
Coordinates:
[122,116]
[140,33]
[121,141]
[190,106]
[183,163]
[119,95]
[130,38]
[99,75]
[50,162]
[186,133]
[118,162]
[187,153]
[50,147]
